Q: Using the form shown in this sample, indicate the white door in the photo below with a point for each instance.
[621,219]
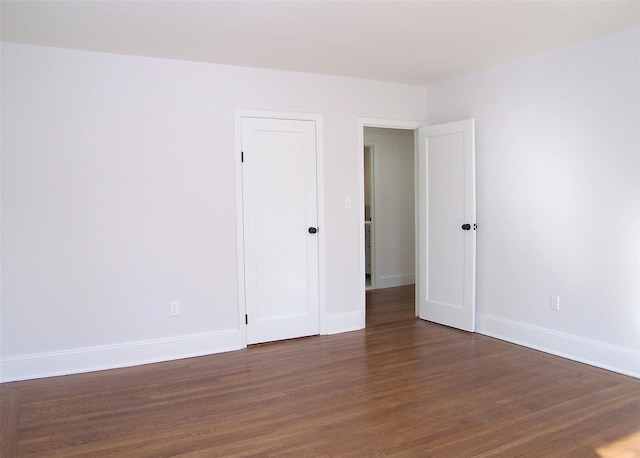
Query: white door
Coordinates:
[446,288]
[280,228]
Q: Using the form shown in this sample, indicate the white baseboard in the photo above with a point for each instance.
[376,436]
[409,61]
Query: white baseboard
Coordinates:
[119,355]
[611,357]
[606,356]
[395,280]
[344,322]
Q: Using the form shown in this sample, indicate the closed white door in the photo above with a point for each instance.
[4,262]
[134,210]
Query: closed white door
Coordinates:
[447,283]
[280,228]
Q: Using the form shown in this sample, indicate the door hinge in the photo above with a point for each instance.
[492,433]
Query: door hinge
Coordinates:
[246,319]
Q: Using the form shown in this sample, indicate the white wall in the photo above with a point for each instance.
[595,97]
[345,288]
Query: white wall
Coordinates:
[558,184]
[118,188]
[394,205]
[118,196]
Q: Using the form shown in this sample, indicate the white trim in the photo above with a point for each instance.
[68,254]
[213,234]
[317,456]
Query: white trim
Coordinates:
[421,190]
[322,260]
[595,353]
[362,266]
[119,355]
[317,118]
[385,124]
[239,230]
[391,123]
[344,322]
[391,281]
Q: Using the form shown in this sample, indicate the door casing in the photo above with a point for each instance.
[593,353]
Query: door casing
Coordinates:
[418,138]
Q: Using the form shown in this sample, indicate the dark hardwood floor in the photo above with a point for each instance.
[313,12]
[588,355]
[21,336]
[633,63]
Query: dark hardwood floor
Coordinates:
[406,389]
[390,305]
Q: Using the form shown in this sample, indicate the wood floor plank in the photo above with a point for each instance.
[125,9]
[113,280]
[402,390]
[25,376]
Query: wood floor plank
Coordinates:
[9,419]
[406,388]
[389,305]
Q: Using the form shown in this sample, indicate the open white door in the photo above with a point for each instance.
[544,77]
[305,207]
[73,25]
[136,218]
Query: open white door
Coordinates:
[447,282]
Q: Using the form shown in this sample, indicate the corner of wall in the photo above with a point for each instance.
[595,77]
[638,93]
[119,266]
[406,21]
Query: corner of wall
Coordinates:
[614,358]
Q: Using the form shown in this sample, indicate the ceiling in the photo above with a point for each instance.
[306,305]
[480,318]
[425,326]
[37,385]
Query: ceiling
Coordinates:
[416,42]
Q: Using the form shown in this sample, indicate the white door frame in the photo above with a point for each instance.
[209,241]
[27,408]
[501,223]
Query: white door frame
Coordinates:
[418,147]
[239,115]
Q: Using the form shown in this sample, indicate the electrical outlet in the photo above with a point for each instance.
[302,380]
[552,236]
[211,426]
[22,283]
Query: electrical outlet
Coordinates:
[175,308]
[555,303]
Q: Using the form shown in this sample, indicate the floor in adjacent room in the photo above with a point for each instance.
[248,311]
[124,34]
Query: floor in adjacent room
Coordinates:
[390,304]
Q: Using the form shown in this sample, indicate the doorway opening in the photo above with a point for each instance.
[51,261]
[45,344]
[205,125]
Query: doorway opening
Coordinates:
[444,223]
[368,216]
[389,159]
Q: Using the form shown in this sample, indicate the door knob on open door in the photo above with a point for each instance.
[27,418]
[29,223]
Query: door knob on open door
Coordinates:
[466,227]
[313,230]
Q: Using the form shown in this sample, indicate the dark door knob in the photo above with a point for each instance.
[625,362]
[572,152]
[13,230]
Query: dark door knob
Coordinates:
[466,227]
[313,230]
